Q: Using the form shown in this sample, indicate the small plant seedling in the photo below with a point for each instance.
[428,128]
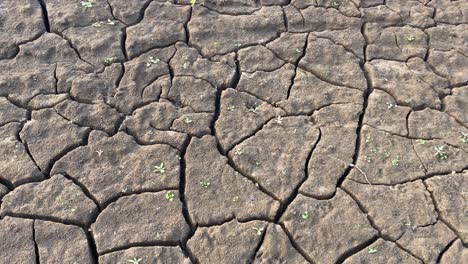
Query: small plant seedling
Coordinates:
[97,24]
[235,198]
[421,141]
[152,60]
[108,61]
[258,163]
[440,153]
[159,168]
[231,108]
[396,161]
[178,157]
[254,108]
[216,44]
[187,120]
[368,159]
[185,66]
[238,152]
[305,215]
[205,184]
[259,230]
[298,50]
[335,3]
[87,3]
[135,260]
[110,22]
[169,196]
[193,2]
[369,139]
[278,120]
[99,152]
[463,138]
[390,105]
[371,250]
[410,38]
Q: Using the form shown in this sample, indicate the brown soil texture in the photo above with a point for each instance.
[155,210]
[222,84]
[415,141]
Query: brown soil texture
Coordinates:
[233,131]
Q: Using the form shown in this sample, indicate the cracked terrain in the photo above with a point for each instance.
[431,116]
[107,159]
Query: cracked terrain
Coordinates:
[234,131]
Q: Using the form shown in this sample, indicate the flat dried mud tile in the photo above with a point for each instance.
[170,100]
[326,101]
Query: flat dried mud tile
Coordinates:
[338,115]
[56,198]
[456,254]
[232,7]
[450,196]
[221,240]
[17,242]
[330,159]
[12,153]
[99,43]
[154,255]
[109,167]
[332,63]
[59,243]
[395,43]
[448,37]
[432,124]
[188,61]
[450,64]
[215,192]
[162,25]
[392,207]
[427,242]
[258,58]
[195,124]
[97,116]
[42,101]
[48,135]
[382,15]
[63,14]
[440,158]
[288,46]
[241,115]
[276,155]
[412,12]
[10,112]
[411,84]
[383,113]
[308,93]
[197,94]
[213,33]
[269,86]
[276,248]
[95,87]
[21,21]
[3,190]
[457,103]
[351,39]
[382,251]
[371,3]
[338,224]
[141,219]
[450,12]
[129,12]
[318,19]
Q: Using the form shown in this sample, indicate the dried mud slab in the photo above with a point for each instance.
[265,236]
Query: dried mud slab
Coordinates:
[450,197]
[345,226]
[139,219]
[456,104]
[17,240]
[10,112]
[56,198]
[215,192]
[155,255]
[455,254]
[55,240]
[391,207]
[222,239]
[109,167]
[382,251]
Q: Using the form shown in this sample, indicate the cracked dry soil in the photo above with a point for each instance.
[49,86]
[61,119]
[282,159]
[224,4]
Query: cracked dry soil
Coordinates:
[233,131]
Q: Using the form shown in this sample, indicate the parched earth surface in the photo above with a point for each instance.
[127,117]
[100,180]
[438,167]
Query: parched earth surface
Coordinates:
[234,131]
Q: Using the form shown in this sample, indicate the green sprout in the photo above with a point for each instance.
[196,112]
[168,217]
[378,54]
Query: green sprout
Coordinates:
[193,2]
[152,60]
[390,105]
[159,168]
[278,120]
[169,196]
[87,3]
[187,120]
[298,50]
[368,159]
[372,250]
[238,152]
[421,141]
[259,230]
[235,198]
[110,22]
[108,61]
[231,108]
[369,139]
[258,163]
[440,153]
[205,184]
[410,38]
[254,108]
[396,161]
[186,65]
[305,215]
[135,260]
[463,138]
[335,3]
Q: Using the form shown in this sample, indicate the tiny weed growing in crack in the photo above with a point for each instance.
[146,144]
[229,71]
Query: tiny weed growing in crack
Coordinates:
[396,161]
[259,230]
[108,61]
[110,22]
[87,3]
[159,168]
[193,2]
[135,260]
[187,120]
[463,138]
[205,184]
[410,38]
[305,215]
[254,108]
[97,24]
[231,108]
[440,153]
[336,4]
[152,60]
[238,152]
[178,157]
[169,196]
[371,250]
[421,141]
[298,50]
[390,105]
[278,120]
